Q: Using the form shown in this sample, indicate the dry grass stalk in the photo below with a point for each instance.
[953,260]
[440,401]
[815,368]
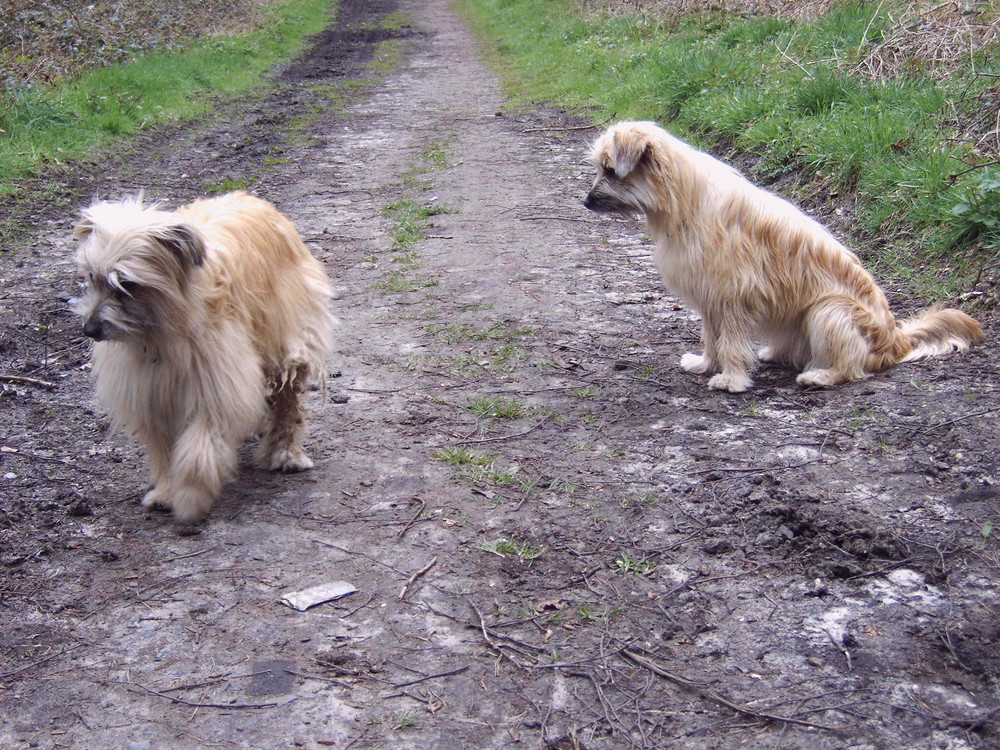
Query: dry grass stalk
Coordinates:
[936,39]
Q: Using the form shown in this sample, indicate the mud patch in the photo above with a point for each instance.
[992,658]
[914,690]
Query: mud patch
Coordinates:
[559,538]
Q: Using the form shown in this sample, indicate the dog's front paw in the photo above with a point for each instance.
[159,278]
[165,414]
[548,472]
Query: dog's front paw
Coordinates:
[156,499]
[734,383]
[289,460]
[191,504]
[820,378]
[696,363]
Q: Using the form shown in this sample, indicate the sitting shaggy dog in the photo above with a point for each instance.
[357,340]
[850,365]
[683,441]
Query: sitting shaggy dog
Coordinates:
[757,268]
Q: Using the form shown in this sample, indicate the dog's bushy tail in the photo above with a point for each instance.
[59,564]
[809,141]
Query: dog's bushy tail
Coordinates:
[936,331]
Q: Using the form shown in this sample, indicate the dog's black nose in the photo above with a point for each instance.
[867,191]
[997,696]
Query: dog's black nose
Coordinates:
[94,328]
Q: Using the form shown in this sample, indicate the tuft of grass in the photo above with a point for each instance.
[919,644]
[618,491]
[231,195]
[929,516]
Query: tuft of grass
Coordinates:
[452,333]
[587,611]
[228,184]
[512,547]
[402,720]
[396,283]
[410,219]
[489,474]
[498,407]
[462,456]
[640,566]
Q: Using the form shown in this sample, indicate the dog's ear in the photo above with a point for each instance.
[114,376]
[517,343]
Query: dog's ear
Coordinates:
[629,148]
[84,228]
[183,241]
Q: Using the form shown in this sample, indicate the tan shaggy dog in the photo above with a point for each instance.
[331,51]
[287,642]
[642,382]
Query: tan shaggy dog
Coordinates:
[210,321]
[758,269]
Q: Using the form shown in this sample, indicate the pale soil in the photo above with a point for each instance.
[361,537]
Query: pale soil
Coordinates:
[706,560]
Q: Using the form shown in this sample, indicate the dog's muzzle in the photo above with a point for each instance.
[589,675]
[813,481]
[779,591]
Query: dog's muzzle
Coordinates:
[601,202]
[97,329]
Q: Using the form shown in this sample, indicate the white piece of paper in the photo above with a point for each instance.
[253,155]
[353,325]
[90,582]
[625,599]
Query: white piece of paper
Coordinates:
[310,597]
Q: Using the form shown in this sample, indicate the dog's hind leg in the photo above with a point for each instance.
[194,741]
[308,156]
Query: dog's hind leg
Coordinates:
[280,446]
[202,460]
[838,350]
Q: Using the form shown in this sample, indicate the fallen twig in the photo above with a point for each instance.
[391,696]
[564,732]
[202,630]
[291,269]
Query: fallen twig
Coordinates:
[415,576]
[431,677]
[192,554]
[361,554]
[497,647]
[360,606]
[24,380]
[534,427]
[38,663]
[39,457]
[755,469]
[721,700]
[957,419]
[553,129]
[194,704]
[423,507]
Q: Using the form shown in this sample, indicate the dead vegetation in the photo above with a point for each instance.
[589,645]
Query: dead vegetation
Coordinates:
[51,41]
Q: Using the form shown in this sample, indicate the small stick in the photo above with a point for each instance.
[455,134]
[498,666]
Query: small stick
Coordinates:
[38,663]
[432,677]
[423,507]
[756,469]
[713,696]
[23,379]
[415,576]
[360,606]
[534,427]
[192,554]
[202,705]
[567,128]
[956,419]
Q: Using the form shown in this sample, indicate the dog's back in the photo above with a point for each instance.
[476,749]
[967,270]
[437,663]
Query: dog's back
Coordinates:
[273,283]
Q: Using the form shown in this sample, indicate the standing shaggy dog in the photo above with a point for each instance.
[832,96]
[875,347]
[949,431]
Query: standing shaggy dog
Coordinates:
[210,321]
[756,267]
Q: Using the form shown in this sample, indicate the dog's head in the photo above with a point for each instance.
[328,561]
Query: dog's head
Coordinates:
[136,262]
[640,169]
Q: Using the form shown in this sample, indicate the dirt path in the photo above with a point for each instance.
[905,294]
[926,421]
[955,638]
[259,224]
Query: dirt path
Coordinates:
[558,538]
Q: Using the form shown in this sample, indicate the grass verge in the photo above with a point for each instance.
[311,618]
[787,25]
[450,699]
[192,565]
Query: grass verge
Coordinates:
[898,153]
[40,125]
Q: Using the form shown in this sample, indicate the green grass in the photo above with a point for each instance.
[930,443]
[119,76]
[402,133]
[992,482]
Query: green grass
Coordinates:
[789,92]
[512,547]
[45,125]
[498,407]
[626,563]
[228,184]
[396,282]
[452,333]
[409,220]
[461,456]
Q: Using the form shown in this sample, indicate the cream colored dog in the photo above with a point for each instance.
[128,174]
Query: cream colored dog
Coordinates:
[756,267]
[210,321]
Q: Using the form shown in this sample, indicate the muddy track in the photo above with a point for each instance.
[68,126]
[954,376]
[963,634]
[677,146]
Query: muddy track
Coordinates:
[559,539]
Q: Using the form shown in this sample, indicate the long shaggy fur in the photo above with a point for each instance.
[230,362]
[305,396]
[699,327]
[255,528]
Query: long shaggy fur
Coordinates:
[209,323]
[757,268]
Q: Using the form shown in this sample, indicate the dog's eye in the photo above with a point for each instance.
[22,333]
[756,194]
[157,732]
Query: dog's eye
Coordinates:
[128,287]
